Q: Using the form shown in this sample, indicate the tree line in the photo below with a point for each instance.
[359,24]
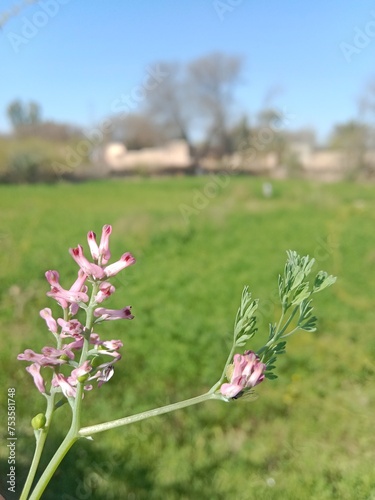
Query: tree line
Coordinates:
[197,102]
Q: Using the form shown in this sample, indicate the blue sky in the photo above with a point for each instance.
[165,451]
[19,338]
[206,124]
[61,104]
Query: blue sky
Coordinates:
[79,56]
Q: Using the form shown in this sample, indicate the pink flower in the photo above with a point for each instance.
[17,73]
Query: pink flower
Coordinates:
[78,285]
[77,344]
[53,279]
[68,384]
[112,314]
[105,291]
[100,253]
[52,352]
[66,296]
[40,359]
[63,297]
[247,372]
[112,345]
[70,328]
[60,381]
[46,314]
[95,339]
[81,371]
[87,267]
[34,371]
[104,252]
[126,260]
[94,249]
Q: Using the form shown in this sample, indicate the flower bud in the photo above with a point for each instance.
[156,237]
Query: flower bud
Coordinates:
[39,421]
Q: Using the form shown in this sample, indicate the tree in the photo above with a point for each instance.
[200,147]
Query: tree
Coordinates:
[16,114]
[351,138]
[271,136]
[137,131]
[212,80]
[168,103]
[366,112]
[21,114]
[240,134]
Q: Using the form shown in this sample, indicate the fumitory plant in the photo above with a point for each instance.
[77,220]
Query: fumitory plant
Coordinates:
[82,361]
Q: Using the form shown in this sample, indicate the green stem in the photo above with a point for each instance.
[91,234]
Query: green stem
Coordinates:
[43,433]
[63,449]
[287,323]
[72,435]
[93,429]
[290,333]
[65,446]
[220,381]
[280,321]
[40,442]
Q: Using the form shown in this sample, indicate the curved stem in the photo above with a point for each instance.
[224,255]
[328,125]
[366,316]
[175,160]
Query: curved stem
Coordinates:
[93,429]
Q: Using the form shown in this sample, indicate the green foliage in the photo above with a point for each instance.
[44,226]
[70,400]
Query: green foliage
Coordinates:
[184,291]
[245,322]
[294,290]
[28,160]
[23,114]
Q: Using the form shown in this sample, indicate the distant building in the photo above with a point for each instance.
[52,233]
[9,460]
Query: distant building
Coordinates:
[173,157]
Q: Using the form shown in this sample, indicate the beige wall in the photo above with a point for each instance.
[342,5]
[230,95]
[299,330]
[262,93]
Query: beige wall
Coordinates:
[174,154]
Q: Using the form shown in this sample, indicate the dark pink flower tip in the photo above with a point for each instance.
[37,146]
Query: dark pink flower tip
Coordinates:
[94,249]
[105,291]
[112,314]
[126,260]
[104,252]
[53,277]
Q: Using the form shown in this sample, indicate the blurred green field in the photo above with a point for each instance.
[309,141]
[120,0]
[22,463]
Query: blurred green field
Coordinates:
[310,434]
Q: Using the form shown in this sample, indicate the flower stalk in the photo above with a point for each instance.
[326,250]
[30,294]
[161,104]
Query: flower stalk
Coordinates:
[80,359]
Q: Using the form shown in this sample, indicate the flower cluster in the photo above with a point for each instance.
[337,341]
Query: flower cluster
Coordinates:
[246,372]
[80,356]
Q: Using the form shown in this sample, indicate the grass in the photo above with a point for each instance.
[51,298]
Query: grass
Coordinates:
[309,434]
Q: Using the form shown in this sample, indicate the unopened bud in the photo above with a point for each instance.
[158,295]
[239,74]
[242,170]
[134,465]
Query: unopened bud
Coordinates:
[39,421]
